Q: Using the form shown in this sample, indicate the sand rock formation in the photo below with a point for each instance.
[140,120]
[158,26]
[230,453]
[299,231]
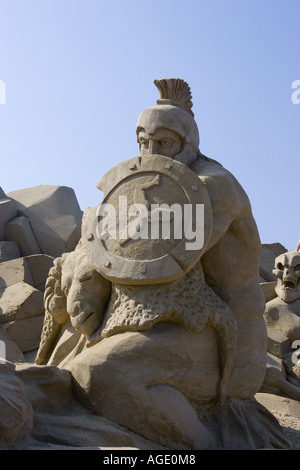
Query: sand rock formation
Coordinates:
[36,225]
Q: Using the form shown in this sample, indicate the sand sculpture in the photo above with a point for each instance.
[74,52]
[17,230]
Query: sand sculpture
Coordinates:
[282,317]
[154,322]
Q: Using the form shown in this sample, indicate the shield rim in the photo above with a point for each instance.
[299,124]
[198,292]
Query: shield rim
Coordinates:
[167,268]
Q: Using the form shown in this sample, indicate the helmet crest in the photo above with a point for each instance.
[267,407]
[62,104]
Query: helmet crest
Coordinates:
[176,92]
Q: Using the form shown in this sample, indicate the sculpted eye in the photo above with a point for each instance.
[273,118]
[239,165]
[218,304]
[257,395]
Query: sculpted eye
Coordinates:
[297,267]
[166,142]
[85,277]
[280,266]
[144,143]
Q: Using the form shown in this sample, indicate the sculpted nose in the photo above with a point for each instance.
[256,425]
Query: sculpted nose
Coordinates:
[153,149]
[286,272]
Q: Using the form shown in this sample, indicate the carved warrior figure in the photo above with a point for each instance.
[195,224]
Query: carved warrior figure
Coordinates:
[157,337]
[283,312]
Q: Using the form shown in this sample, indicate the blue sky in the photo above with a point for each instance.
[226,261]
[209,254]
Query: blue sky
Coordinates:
[78,73]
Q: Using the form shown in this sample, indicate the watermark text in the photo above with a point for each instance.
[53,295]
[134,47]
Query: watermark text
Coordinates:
[156,221]
[296,94]
[2,352]
[2,92]
[296,354]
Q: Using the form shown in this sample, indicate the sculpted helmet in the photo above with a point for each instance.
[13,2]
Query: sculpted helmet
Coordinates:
[173,111]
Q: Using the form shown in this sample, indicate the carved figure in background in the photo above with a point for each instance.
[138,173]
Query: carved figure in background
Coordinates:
[283,312]
[163,340]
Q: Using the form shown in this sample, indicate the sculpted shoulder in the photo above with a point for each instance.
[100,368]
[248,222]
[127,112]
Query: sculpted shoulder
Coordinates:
[224,190]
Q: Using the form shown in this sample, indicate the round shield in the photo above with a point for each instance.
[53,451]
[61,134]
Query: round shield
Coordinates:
[153,224]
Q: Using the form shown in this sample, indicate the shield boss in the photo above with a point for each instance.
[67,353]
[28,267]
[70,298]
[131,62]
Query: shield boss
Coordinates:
[153,224]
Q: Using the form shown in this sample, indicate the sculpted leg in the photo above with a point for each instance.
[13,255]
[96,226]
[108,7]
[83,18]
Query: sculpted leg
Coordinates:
[174,417]
[128,379]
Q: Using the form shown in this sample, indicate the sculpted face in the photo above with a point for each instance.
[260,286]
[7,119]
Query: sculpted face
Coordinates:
[171,131]
[161,142]
[287,270]
[86,292]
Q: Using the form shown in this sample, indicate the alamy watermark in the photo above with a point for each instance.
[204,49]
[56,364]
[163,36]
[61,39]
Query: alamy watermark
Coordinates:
[2,352]
[296,354]
[296,94]
[156,221]
[2,92]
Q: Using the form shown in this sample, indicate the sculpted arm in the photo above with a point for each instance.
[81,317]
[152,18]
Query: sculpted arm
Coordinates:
[281,317]
[233,252]
[231,268]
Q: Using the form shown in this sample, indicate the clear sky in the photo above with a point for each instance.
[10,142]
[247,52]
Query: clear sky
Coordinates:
[77,73]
